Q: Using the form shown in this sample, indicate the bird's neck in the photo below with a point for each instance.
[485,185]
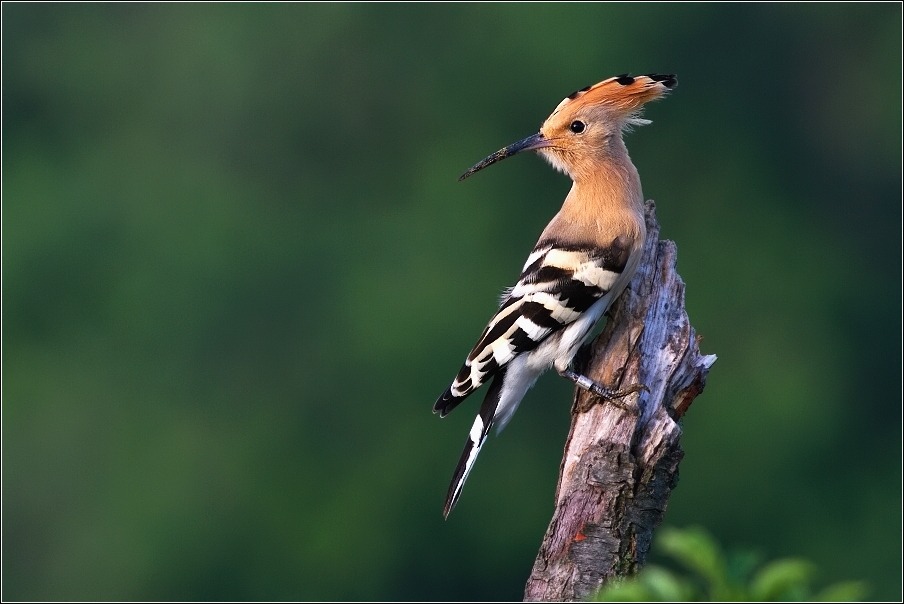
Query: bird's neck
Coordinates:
[606,198]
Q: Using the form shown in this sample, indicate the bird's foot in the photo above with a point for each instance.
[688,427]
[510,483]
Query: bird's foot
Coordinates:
[603,393]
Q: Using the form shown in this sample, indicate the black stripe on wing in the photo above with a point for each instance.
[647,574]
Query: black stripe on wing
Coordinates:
[578,296]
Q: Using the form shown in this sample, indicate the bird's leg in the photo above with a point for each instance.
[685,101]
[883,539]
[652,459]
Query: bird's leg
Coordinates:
[602,392]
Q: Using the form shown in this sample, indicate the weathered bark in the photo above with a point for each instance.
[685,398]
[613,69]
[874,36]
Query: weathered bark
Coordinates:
[620,465]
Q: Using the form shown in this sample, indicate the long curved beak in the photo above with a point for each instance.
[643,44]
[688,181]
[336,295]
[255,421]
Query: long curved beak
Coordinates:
[536,141]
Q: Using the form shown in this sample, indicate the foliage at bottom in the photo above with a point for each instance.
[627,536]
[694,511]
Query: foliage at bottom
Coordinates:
[715,576]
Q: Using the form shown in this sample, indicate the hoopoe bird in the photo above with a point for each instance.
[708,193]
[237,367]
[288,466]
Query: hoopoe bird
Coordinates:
[585,258]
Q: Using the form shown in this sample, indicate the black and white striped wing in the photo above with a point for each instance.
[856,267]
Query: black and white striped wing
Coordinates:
[558,283]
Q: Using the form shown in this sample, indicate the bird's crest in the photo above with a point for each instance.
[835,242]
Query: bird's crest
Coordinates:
[624,94]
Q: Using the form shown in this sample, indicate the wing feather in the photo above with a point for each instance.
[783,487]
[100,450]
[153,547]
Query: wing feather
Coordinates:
[558,283]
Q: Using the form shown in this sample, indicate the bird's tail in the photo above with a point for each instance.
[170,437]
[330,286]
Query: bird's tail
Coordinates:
[479,431]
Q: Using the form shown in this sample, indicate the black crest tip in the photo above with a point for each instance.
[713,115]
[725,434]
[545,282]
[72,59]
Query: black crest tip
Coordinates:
[666,79]
[574,94]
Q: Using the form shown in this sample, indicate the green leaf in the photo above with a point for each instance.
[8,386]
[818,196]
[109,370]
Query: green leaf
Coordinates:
[695,548]
[666,586]
[786,579]
[848,591]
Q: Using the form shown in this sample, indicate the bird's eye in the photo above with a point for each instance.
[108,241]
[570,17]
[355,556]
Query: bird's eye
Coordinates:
[577,127]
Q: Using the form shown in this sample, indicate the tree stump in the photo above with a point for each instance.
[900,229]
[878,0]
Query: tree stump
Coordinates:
[621,464]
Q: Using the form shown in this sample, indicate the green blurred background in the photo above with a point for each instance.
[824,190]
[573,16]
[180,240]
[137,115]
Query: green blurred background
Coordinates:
[238,269]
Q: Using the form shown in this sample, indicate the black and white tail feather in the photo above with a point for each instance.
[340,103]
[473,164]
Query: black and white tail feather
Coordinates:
[563,291]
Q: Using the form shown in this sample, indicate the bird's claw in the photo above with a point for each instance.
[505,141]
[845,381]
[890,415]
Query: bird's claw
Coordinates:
[612,396]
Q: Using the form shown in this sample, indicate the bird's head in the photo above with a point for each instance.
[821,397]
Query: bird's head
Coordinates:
[587,125]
